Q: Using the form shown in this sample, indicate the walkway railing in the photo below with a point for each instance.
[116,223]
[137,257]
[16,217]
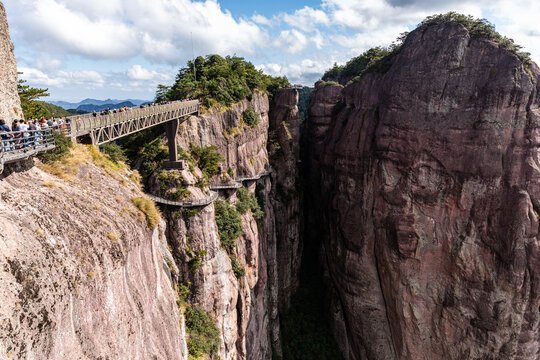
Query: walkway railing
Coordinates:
[19,145]
[193,203]
[238,181]
[84,124]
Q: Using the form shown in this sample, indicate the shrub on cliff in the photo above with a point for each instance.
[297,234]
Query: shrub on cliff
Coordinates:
[202,331]
[63,145]
[229,224]
[371,59]
[207,158]
[247,201]
[114,152]
[218,80]
[145,151]
[250,117]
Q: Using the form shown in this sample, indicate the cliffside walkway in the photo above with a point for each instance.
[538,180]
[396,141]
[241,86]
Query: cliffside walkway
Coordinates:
[238,181]
[186,204]
[213,194]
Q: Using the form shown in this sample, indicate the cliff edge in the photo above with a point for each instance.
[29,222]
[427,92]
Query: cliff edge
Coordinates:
[424,191]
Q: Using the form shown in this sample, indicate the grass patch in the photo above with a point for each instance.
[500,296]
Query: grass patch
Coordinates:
[104,161]
[112,236]
[49,184]
[149,209]
[67,166]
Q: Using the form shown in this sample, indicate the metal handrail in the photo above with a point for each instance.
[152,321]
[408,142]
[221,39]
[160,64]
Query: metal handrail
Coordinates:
[18,145]
[210,199]
[238,181]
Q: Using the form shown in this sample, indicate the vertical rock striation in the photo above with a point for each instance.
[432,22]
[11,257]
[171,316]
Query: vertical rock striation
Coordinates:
[245,308]
[284,143]
[10,104]
[424,188]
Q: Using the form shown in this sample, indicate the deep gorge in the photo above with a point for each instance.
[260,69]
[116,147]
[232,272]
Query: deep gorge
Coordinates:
[398,221]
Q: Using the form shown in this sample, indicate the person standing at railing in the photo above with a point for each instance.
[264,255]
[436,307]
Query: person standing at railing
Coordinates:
[26,135]
[16,128]
[33,133]
[4,134]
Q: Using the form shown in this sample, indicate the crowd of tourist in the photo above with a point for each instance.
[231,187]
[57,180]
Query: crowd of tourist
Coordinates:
[25,133]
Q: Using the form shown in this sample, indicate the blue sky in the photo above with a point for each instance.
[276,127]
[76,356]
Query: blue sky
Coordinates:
[124,48]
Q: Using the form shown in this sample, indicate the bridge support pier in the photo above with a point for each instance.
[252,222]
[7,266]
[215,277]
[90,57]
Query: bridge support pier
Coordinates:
[171,129]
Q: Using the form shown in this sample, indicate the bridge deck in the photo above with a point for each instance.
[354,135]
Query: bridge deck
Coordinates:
[106,128]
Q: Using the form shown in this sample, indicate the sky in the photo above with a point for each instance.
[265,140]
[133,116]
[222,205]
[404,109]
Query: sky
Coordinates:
[123,49]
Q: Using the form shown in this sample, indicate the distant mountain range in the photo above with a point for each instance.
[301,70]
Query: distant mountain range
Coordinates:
[93,107]
[109,103]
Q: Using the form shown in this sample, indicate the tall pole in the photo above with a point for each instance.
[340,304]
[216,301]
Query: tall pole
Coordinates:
[193,54]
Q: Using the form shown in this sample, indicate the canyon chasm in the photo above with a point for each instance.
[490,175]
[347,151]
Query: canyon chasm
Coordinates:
[413,191]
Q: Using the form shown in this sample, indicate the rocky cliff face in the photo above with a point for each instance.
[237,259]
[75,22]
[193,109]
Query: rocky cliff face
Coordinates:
[10,104]
[243,147]
[244,307]
[82,276]
[423,186]
[286,190]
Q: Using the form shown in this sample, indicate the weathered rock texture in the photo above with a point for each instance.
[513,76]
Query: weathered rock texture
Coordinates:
[243,148]
[245,309]
[285,154]
[425,191]
[81,275]
[10,104]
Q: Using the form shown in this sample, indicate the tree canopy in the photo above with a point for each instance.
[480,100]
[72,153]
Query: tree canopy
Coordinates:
[219,80]
[380,58]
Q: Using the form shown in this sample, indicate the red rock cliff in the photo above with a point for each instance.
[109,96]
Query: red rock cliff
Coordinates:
[425,193]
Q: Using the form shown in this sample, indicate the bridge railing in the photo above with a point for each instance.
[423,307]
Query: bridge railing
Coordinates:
[192,203]
[84,123]
[18,145]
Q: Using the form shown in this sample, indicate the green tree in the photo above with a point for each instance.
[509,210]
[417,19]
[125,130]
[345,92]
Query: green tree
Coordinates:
[161,93]
[221,80]
[29,95]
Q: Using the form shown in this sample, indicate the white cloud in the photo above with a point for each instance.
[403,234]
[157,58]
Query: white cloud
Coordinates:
[56,35]
[161,30]
[87,78]
[304,72]
[261,20]
[137,72]
[291,41]
[306,19]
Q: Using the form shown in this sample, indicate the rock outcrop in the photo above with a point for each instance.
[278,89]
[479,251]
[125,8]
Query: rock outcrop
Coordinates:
[10,104]
[424,191]
[82,276]
[243,147]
